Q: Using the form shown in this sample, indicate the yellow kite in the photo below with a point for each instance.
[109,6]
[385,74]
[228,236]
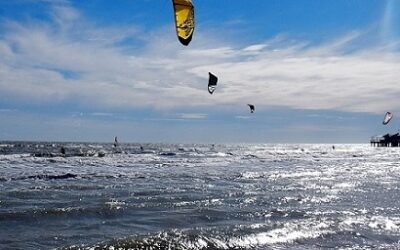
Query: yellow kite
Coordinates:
[184,20]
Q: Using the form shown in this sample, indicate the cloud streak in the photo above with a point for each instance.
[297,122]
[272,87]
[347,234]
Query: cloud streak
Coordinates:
[58,62]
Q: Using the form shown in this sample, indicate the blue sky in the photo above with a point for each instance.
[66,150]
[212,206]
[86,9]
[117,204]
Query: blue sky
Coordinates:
[317,71]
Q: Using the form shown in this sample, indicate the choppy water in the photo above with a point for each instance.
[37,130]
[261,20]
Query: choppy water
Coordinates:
[198,196]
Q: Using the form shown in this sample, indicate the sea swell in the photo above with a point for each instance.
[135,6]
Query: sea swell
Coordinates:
[160,196]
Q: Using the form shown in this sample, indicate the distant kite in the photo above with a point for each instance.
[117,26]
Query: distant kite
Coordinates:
[387,118]
[184,20]
[212,82]
[252,108]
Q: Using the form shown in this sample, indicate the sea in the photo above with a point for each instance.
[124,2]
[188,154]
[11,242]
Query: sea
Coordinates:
[198,196]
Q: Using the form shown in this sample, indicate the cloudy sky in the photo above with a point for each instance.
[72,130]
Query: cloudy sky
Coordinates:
[317,71]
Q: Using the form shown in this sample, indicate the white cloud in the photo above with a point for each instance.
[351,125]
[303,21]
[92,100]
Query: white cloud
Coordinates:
[195,116]
[37,58]
[63,14]
[101,114]
[242,117]
[255,47]
[7,110]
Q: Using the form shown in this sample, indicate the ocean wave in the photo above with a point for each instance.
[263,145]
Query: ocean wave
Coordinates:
[82,176]
[376,223]
[264,236]
[41,212]
[105,209]
[47,177]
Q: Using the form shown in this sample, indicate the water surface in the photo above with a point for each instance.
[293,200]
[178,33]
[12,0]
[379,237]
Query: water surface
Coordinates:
[198,196]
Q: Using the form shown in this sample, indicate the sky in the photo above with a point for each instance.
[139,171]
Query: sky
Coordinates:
[317,71]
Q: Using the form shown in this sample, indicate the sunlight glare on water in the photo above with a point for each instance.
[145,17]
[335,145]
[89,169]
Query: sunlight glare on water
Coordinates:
[299,196]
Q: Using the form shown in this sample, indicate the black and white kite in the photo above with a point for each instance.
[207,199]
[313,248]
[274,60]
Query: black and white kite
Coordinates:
[252,108]
[212,83]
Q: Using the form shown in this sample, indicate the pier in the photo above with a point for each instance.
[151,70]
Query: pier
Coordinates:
[387,140]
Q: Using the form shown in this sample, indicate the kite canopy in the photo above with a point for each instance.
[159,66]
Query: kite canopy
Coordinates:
[387,118]
[184,20]
[252,108]
[212,82]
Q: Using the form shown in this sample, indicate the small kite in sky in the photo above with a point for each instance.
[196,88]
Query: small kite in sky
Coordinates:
[387,118]
[212,83]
